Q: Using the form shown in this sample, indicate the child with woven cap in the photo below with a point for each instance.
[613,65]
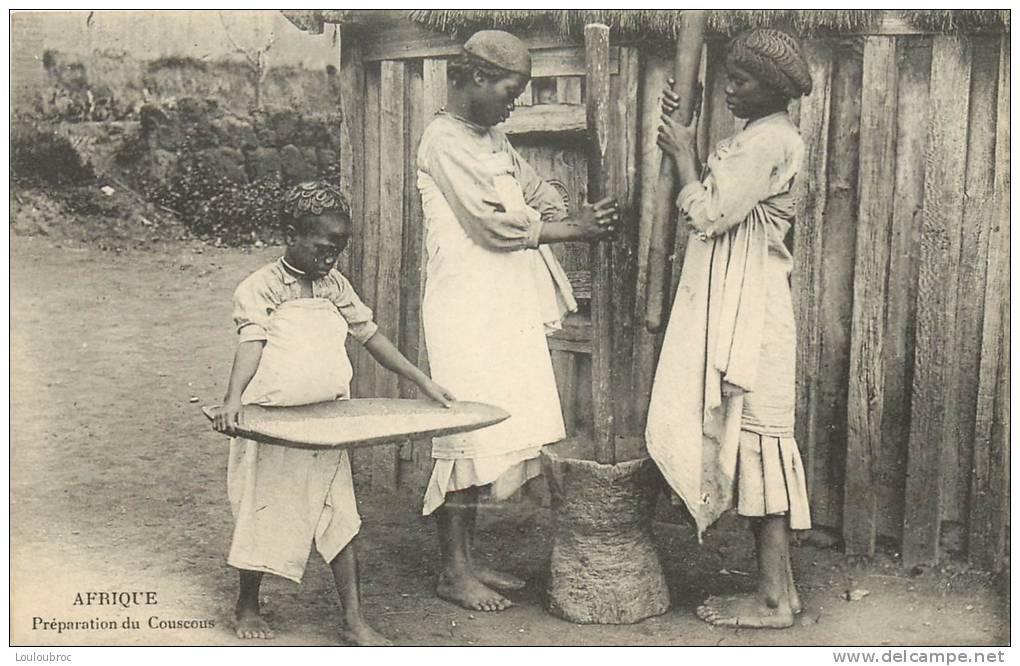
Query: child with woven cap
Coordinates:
[293,317]
[721,417]
[492,291]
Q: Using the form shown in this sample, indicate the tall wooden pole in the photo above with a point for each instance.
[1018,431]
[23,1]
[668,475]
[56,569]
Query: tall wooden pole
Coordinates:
[596,52]
[686,63]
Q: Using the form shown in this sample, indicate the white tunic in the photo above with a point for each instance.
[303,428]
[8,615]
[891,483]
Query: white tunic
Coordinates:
[726,369]
[489,295]
[285,499]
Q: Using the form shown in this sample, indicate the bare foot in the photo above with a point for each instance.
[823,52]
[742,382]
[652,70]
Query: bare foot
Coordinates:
[795,604]
[500,580]
[362,634]
[470,593]
[249,624]
[744,611]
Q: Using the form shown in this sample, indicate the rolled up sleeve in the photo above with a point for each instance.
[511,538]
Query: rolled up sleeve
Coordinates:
[359,317]
[252,307]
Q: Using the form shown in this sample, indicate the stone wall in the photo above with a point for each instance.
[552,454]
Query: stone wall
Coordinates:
[240,149]
[109,86]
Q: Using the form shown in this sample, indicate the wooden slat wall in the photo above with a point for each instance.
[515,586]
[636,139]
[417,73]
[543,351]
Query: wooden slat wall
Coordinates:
[989,505]
[932,407]
[876,180]
[365,244]
[809,229]
[834,289]
[914,62]
[900,279]
[389,244]
[411,269]
[352,89]
[978,218]
[431,98]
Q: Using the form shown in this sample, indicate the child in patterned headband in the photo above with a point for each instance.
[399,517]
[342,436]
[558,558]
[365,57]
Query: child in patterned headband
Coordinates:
[312,199]
[292,318]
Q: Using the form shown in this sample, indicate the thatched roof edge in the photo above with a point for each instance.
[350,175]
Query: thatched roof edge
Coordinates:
[664,22]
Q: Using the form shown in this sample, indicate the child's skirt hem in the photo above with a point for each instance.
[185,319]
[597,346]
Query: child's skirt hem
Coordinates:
[284,500]
[247,566]
[771,480]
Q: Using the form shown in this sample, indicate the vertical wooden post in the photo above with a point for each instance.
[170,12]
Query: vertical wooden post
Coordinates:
[835,290]
[875,181]
[352,139]
[686,65]
[433,84]
[392,140]
[352,181]
[936,295]
[808,233]
[411,265]
[989,510]
[366,240]
[368,233]
[389,245]
[901,292]
[596,50]
[624,158]
[979,216]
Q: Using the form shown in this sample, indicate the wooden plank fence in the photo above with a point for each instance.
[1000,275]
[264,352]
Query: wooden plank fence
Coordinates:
[901,262]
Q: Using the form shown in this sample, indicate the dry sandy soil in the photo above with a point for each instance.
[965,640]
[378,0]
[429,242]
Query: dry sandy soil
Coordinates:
[118,484]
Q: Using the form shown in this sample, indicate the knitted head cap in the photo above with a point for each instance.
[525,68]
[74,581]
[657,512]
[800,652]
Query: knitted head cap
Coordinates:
[314,198]
[774,57]
[500,49]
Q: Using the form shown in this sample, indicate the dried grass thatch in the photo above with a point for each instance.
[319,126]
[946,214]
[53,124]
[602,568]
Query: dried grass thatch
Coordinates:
[943,20]
[665,22]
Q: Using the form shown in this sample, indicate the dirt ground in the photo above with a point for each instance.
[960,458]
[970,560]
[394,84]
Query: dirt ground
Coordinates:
[118,484]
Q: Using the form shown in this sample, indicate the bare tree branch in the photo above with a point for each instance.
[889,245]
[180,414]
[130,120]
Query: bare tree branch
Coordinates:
[258,62]
[253,61]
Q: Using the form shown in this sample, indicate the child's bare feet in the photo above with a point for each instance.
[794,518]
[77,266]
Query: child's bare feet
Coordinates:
[795,604]
[776,601]
[745,611]
[468,592]
[500,580]
[249,624]
[361,634]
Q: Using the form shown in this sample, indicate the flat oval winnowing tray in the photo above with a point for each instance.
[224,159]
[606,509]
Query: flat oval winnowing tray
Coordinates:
[362,422]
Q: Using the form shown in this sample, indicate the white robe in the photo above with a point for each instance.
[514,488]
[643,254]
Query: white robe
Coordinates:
[728,355]
[490,295]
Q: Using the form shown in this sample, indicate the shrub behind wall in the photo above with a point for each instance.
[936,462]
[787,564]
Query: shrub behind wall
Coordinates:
[223,174]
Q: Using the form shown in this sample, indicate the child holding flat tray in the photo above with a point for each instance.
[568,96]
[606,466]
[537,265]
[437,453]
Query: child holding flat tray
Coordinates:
[293,317]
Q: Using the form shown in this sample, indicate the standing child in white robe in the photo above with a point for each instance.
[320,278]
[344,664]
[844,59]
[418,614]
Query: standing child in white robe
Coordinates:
[491,292]
[721,417]
[293,317]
